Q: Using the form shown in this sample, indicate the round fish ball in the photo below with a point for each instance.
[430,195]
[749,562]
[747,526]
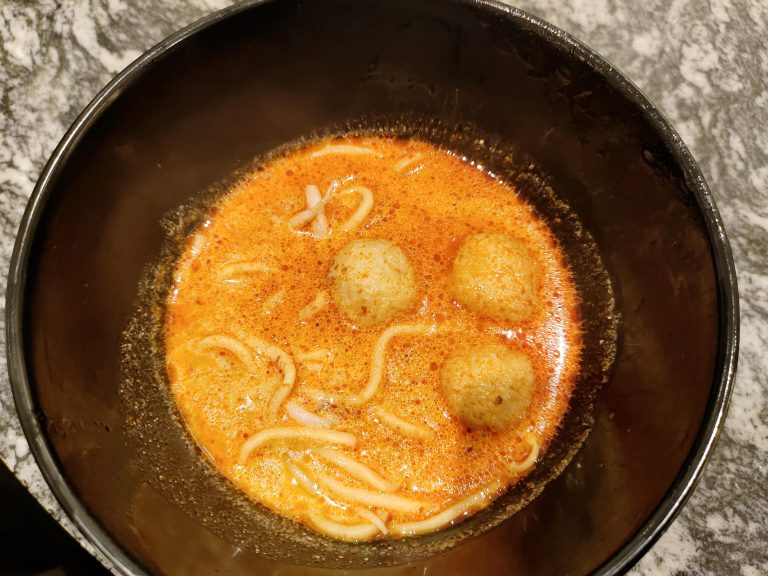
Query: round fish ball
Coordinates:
[488,386]
[496,275]
[372,282]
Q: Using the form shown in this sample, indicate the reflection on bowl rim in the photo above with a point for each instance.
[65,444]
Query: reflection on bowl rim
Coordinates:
[728,313]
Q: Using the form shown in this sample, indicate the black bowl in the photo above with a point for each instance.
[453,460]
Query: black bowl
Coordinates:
[203,103]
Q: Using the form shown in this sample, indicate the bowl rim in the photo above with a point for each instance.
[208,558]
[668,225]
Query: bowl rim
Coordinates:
[728,301]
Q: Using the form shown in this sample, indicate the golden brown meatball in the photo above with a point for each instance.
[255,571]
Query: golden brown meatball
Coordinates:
[372,282]
[497,276]
[488,385]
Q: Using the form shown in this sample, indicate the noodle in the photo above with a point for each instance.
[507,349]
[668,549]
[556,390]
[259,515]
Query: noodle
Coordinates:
[378,359]
[236,268]
[272,302]
[403,426]
[407,161]
[313,366]
[285,433]
[232,345]
[197,245]
[310,214]
[342,149]
[356,469]
[362,496]
[313,355]
[315,211]
[304,416]
[447,516]
[320,301]
[528,462]
[278,398]
[363,209]
[305,480]
[320,222]
[371,516]
[302,478]
[347,532]
[284,362]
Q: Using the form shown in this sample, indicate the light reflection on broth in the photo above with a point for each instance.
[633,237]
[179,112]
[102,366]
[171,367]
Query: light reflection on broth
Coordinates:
[372,336]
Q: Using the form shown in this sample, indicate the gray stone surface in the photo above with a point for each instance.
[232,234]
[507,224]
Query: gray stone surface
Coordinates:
[705,63]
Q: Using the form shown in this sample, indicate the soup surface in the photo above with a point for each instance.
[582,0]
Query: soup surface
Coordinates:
[372,336]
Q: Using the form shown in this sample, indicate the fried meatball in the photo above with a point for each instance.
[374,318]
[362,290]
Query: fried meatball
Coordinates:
[488,385]
[372,282]
[497,276]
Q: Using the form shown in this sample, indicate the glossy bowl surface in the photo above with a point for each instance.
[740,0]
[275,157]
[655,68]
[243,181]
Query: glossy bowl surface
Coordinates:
[240,82]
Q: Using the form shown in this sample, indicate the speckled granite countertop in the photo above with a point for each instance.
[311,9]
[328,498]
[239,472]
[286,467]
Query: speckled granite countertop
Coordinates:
[705,63]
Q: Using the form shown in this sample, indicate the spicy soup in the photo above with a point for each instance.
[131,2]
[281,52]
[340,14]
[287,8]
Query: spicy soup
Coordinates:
[372,336]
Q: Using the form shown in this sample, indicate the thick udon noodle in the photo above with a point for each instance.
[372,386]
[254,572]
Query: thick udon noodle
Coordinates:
[338,424]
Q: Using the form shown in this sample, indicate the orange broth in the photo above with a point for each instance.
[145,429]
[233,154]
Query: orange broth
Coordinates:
[246,273]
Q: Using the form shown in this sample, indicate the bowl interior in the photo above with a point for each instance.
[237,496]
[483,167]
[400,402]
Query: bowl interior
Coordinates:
[276,71]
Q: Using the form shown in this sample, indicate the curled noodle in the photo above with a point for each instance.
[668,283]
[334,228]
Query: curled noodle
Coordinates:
[269,435]
[379,357]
